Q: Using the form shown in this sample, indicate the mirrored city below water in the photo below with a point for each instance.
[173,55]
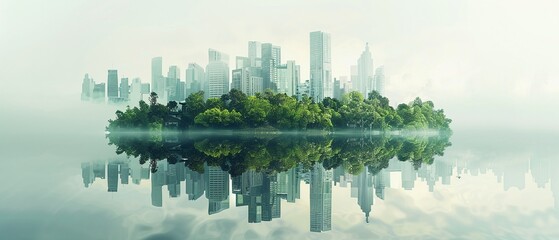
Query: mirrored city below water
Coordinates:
[263,174]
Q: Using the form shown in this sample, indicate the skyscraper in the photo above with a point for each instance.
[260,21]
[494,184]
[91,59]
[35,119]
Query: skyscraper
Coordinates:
[378,82]
[112,85]
[365,72]
[217,74]
[271,57]
[157,80]
[320,66]
[288,78]
[87,88]
[195,79]
[255,53]
[172,84]
[124,89]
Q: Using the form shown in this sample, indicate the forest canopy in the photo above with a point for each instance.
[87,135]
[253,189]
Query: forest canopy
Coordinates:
[236,110]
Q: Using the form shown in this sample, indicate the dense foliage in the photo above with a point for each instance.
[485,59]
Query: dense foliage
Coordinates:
[236,110]
[238,154]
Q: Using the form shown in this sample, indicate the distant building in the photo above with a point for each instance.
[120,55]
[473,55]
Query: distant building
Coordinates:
[112,85]
[365,72]
[124,89]
[87,88]
[99,92]
[320,66]
[195,79]
[271,57]
[303,89]
[135,91]
[378,82]
[288,78]
[217,74]
[255,54]
[157,79]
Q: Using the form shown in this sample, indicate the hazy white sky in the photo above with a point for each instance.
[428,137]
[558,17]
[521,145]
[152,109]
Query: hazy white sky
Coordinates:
[464,55]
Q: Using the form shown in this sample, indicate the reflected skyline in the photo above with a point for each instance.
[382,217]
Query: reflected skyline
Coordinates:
[263,193]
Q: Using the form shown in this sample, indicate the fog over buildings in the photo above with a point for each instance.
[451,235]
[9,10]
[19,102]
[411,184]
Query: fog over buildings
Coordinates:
[471,58]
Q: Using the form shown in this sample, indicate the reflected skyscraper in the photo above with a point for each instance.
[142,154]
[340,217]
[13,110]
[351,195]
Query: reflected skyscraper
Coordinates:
[112,177]
[321,199]
[194,184]
[217,188]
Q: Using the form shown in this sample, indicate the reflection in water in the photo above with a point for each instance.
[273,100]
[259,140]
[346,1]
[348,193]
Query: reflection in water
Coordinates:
[265,170]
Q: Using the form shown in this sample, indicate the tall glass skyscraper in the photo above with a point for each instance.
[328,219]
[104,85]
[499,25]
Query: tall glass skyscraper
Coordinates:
[217,74]
[321,85]
[112,85]
[157,80]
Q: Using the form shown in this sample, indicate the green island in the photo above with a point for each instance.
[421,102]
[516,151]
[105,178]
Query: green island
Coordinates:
[278,112]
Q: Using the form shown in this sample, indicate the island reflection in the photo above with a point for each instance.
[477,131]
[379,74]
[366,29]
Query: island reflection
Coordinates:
[264,169]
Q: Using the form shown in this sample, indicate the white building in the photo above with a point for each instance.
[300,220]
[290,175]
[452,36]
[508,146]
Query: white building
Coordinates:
[217,74]
[321,85]
[365,72]
[195,79]
[288,78]
[378,81]
[157,79]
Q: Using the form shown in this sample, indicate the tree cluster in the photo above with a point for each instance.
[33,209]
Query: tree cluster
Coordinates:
[236,110]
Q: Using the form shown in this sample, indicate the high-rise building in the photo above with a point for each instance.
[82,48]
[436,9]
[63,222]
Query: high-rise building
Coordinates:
[112,85]
[354,78]
[320,66]
[217,74]
[288,78]
[365,72]
[157,79]
[99,92]
[271,57]
[87,88]
[321,199]
[255,53]
[244,80]
[135,91]
[195,79]
[124,89]
[217,188]
[378,81]
[172,84]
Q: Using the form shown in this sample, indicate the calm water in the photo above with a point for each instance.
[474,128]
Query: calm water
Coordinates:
[74,185]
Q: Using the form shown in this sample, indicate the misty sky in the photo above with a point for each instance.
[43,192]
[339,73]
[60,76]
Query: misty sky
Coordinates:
[476,59]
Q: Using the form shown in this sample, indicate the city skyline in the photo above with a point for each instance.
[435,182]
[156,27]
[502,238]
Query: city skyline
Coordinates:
[263,69]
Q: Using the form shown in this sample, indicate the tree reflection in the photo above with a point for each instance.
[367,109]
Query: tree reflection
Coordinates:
[238,153]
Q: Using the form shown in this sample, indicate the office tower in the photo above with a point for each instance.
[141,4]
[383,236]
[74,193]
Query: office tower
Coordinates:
[378,81]
[303,89]
[124,89]
[354,78]
[112,85]
[365,72]
[157,79]
[320,199]
[87,88]
[217,74]
[173,180]
[320,66]
[135,91]
[172,84]
[242,62]
[255,53]
[112,177]
[195,79]
[337,89]
[99,92]
[288,78]
[146,88]
[381,181]
[245,81]
[271,57]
